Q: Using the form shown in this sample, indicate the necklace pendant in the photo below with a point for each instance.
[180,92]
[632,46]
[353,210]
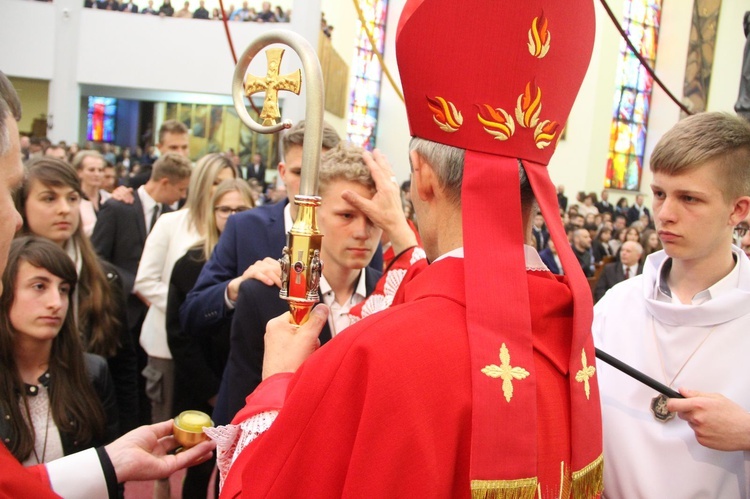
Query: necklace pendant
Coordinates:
[659,408]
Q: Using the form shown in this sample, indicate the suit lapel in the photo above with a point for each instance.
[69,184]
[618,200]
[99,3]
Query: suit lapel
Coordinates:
[276,230]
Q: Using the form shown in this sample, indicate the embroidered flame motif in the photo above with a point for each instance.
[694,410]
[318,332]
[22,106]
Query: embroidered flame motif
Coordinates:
[529,105]
[505,372]
[445,114]
[585,374]
[545,133]
[499,124]
[539,37]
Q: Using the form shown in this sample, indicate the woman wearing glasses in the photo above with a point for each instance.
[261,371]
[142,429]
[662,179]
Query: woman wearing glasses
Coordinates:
[199,360]
[172,235]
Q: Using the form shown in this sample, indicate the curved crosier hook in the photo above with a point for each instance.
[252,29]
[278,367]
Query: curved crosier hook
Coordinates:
[272,83]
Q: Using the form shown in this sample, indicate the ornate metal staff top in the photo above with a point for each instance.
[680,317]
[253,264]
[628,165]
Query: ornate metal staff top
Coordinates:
[301,266]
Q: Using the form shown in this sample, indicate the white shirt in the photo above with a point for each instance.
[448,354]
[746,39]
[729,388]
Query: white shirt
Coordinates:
[338,317]
[702,347]
[148,204]
[727,283]
[168,241]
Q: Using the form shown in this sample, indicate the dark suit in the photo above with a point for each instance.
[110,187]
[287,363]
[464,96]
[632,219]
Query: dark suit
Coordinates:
[549,260]
[611,274]
[248,237]
[260,175]
[586,259]
[634,214]
[119,236]
[256,305]
[130,7]
[605,207]
[541,237]
[562,201]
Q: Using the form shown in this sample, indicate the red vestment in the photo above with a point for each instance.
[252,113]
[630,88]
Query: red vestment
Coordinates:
[385,409]
[17,481]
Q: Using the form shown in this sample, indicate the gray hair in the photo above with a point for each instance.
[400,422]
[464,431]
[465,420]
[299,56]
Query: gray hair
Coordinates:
[10,105]
[448,164]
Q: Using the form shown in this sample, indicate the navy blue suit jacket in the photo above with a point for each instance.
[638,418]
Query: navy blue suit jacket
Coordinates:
[248,237]
[256,305]
[549,260]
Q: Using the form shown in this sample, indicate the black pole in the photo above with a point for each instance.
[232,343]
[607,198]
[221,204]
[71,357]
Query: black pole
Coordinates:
[636,374]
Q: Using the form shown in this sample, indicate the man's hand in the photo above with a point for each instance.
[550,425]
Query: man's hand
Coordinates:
[384,209]
[718,422]
[124,194]
[287,345]
[267,271]
[142,453]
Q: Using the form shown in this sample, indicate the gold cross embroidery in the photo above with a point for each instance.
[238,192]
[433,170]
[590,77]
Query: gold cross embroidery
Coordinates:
[586,373]
[272,83]
[505,372]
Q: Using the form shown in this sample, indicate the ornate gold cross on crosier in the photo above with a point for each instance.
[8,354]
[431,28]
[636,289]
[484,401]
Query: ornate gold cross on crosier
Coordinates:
[505,372]
[587,372]
[271,84]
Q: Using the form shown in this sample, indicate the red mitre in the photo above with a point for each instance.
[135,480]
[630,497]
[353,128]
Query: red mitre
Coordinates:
[498,79]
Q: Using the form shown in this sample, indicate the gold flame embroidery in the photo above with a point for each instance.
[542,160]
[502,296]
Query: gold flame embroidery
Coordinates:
[499,124]
[506,372]
[545,133]
[529,105]
[539,37]
[445,114]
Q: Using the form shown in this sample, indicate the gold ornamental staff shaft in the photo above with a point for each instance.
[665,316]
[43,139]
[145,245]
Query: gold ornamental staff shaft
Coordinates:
[301,266]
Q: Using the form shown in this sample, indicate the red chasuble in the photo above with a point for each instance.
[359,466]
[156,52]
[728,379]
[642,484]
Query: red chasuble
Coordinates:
[385,409]
[17,481]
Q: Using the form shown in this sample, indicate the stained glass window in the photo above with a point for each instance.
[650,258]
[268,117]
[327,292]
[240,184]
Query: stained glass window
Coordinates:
[365,94]
[100,123]
[632,99]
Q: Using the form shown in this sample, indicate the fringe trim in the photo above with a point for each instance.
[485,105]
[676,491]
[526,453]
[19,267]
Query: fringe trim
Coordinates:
[525,488]
[589,481]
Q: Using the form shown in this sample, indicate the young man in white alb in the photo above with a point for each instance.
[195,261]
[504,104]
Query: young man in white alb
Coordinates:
[685,322]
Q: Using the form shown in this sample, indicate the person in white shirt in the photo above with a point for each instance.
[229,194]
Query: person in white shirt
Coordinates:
[170,238]
[684,322]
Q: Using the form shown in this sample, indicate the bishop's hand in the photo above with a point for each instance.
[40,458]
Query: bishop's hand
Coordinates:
[384,209]
[287,346]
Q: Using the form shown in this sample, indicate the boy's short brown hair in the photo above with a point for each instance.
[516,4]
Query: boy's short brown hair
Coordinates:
[704,137]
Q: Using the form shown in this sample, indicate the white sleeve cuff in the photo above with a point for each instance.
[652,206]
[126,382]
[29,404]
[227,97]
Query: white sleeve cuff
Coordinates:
[229,303]
[78,476]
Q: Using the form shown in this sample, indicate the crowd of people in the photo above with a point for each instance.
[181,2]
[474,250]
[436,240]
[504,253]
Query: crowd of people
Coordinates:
[124,305]
[245,13]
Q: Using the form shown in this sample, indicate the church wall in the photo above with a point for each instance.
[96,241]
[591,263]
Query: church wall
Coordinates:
[580,160]
[73,47]
[342,16]
[138,56]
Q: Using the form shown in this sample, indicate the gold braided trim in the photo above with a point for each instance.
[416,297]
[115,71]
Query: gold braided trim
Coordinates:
[589,481]
[524,488]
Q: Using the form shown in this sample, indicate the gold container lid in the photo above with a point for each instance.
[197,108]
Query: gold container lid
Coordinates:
[188,428]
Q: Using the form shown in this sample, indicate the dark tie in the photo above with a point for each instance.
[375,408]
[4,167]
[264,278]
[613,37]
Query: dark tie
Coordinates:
[154,216]
[627,272]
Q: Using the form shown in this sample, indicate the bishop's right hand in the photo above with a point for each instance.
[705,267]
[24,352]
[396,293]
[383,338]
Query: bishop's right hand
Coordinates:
[287,346]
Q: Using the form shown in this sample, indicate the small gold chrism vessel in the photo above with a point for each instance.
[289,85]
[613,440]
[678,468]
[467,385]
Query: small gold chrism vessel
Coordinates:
[188,428]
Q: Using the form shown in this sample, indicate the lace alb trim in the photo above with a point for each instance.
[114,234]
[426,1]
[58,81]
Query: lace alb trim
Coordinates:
[231,439]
